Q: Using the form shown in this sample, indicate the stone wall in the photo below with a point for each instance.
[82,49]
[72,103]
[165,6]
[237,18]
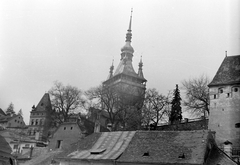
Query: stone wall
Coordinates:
[225,114]
[185,126]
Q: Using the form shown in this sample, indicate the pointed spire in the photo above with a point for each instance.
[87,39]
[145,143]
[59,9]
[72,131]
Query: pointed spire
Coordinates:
[111,70]
[130,23]
[127,47]
[140,72]
[129,34]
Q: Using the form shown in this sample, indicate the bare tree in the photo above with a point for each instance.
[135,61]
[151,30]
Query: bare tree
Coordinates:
[155,107]
[197,95]
[65,100]
[104,99]
[120,106]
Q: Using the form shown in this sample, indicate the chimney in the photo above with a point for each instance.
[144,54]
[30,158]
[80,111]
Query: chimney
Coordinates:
[227,148]
[97,123]
[109,127]
[31,152]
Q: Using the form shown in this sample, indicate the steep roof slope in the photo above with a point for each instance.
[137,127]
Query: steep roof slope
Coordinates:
[109,146]
[2,112]
[219,157]
[177,147]
[228,72]
[44,104]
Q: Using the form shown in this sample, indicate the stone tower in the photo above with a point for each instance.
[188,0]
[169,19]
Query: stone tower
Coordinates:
[40,119]
[130,83]
[224,93]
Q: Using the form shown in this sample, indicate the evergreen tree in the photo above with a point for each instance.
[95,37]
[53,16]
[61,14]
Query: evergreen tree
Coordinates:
[176,111]
[10,110]
[20,112]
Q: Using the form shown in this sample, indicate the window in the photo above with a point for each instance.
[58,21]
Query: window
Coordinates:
[220,90]
[146,154]
[235,89]
[59,142]
[237,125]
[32,122]
[40,122]
[98,151]
[36,121]
[15,146]
[41,104]
[64,128]
[228,94]
[71,128]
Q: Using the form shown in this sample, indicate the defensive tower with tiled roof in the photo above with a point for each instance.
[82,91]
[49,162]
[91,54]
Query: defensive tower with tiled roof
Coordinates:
[224,93]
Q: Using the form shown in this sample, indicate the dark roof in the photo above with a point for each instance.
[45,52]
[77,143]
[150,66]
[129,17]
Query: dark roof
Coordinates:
[44,104]
[167,147]
[228,72]
[126,68]
[4,146]
[2,112]
[217,156]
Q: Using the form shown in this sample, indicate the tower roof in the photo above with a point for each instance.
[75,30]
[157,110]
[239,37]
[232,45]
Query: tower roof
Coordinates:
[228,72]
[44,104]
[125,66]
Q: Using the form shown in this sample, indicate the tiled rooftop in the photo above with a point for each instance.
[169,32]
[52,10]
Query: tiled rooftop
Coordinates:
[109,145]
[228,72]
[166,147]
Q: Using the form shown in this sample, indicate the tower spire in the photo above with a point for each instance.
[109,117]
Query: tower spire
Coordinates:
[111,70]
[140,72]
[129,34]
[130,23]
[127,48]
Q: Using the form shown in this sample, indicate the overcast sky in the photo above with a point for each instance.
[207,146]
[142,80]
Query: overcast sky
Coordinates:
[75,42]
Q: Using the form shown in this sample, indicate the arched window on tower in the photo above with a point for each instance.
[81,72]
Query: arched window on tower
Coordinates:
[220,90]
[36,122]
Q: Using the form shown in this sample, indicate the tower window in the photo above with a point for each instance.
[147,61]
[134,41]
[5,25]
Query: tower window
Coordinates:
[228,94]
[64,128]
[59,142]
[237,125]
[235,89]
[71,128]
[220,90]
[214,96]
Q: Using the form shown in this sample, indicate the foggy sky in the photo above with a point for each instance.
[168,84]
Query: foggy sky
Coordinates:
[75,42]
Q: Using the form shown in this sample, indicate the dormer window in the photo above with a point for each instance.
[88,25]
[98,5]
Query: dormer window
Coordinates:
[97,151]
[146,154]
